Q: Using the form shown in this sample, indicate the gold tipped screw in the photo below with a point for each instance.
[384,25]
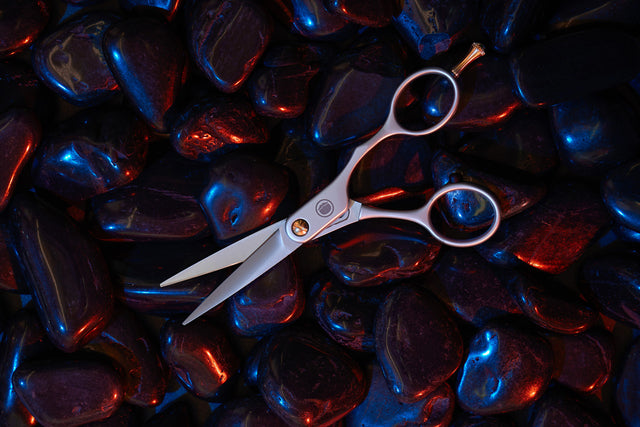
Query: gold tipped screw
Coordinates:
[300,227]
[477,50]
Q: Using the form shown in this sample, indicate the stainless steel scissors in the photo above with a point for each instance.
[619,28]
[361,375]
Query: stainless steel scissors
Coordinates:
[332,209]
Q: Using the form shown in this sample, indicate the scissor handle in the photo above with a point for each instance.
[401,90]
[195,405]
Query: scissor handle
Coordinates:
[465,243]
[393,127]
[328,205]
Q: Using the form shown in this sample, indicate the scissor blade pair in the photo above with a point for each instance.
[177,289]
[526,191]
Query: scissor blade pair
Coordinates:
[274,250]
[225,257]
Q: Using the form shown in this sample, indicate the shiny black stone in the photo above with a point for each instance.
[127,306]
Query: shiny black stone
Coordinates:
[470,210]
[621,194]
[24,339]
[311,19]
[487,95]
[150,65]
[91,153]
[372,252]
[575,13]
[139,269]
[244,193]
[509,22]
[575,64]
[347,314]
[411,366]
[433,26]
[71,61]
[560,407]
[628,388]
[302,396]
[596,133]
[280,87]
[21,21]
[353,100]
[490,383]
[65,271]
[227,38]
[611,282]
[381,408]
[471,287]
[271,301]
[523,142]
[161,204]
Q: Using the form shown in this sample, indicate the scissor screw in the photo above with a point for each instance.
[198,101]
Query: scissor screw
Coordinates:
[300,227]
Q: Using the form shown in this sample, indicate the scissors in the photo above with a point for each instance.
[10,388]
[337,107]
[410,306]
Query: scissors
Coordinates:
[332,209]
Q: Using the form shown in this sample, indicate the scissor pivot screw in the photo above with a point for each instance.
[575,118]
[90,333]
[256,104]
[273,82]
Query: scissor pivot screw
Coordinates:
[300,227]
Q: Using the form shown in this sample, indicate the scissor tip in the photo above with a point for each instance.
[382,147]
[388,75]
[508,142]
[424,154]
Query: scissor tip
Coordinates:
[171,281]
[193,316]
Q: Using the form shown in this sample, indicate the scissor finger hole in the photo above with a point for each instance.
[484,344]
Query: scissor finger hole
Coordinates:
[412,102]
[451,232]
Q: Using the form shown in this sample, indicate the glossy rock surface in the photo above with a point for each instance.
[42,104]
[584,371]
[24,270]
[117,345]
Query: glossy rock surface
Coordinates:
[313,167]
[272,300]
[596,133]
[149,64]
[311,19]
[211,128]
[19,136]
[377,13]
[432,27]
[361,83]
[575,13]
[487,95]
[227,38]
[574,64]
[382,409]
[628,388]
[166,7]
[621,195]
[160,205]
[491,383]
[372,252]
[554,233]
[24,339]
[561,408]
[91,153]
[247,412]
[200,355]
[91,390]
[280,87]
[551,305]
[303,396]
[244,193]
[137,358]
[65,270]
[611,282]
[523,142]
[21,22]
[71,62]
[346,314]
[141,268]
[470,210]
[509,22]
[395,170]
[471,287]
[584,361]
[409,326]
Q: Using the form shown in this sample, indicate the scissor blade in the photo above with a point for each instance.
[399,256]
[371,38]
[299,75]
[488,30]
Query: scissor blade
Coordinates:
[274,250]
[230,255]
